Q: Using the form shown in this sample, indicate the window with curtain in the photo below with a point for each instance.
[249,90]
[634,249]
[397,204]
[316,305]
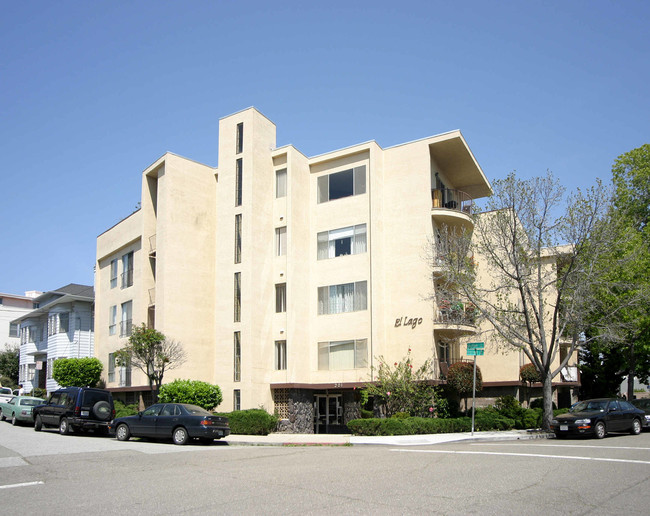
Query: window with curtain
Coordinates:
[345,354]
[112,319]
[341,242]
[114,273]
[64,322]
[280,183]
[347,297]
[280,355]
[111,367]
[281,241]
[280,298]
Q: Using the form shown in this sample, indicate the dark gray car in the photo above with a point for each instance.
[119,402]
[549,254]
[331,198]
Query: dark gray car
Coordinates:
[76,409]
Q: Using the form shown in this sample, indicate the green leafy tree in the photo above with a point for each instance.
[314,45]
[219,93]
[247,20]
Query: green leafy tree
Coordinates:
[77,372]
[194,392]
[627,262]
[9,363]
[152,353]
[535,276]
[460,378]
[529,375]
[406,389]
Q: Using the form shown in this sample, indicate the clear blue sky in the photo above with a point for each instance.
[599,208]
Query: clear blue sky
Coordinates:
[91,93]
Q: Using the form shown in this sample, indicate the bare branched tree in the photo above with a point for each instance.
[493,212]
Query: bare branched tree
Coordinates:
[530,268]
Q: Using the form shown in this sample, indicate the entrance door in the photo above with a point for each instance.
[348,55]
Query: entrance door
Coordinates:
[328,414]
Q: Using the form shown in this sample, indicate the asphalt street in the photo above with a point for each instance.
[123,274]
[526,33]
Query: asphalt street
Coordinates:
[49,473]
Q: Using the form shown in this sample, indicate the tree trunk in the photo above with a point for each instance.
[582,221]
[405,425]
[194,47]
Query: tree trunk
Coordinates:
[547,390]
[631,370]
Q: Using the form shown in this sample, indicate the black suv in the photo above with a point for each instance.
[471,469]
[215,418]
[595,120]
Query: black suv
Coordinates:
[76,408]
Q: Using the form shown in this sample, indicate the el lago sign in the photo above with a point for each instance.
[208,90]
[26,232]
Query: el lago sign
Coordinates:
[408,322]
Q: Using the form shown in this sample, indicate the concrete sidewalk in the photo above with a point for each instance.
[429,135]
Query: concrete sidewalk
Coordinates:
[396,440]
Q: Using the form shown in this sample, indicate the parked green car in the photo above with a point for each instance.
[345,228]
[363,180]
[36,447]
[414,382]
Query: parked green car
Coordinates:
[19,409]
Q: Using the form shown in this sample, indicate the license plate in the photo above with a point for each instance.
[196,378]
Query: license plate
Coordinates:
[85,413]
[564,428]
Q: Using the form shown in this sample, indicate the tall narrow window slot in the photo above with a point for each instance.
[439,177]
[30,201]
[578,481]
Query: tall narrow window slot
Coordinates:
[237,307]
[239,177]
[237,354]
[238,238]
[240,137]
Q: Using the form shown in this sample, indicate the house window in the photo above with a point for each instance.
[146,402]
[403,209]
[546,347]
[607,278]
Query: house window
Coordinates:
[124,379]
[236,396]
[112,319]
[344,354]
[31,372]
[237,296]
[239,177]
[342,242]
[342,184]
[13,330]
[280,183]
[281,241]
[127,270]
[64,322]
[50,365]
[238,238]
[32,334]
[111,367]
[114,273]
[126,322]
[347,297]
[280,355]
[237,353]
[280,298]
[240,138]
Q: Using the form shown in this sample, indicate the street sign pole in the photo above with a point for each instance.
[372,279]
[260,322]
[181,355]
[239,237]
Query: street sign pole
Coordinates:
[473,395]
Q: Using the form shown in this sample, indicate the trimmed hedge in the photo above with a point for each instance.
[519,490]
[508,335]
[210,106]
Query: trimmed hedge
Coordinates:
[250,422]
[409,426]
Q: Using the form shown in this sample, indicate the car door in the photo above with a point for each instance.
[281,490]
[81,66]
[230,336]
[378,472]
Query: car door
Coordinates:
[615,417]
[168,419]
[145,424]
[48,410]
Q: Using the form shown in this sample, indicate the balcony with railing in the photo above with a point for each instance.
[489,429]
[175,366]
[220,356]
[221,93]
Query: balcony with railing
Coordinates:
[444,365]
[451,206]
[454,317]
[126,327]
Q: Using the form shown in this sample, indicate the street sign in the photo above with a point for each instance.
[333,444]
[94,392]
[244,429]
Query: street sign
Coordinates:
[475,352]
[475,349]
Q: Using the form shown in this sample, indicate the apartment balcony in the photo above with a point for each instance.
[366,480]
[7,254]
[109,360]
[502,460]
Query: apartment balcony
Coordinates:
[444,365]
[454,318]
[126,328]
[452,207]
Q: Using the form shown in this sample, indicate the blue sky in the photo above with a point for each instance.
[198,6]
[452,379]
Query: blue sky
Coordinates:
[91,93]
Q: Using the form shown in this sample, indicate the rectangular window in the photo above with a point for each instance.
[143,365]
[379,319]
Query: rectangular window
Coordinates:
[50,365]
[281,241]
[342,184]
[124,379]
[32,334]
[236,397]
[238,238]
[111,367]
[64,322]
[51,324]
[347,297]
[114,273]
[345,354]
[127,270]
[13,330]
[342,242]
[280,183]
[126,321]
[31,372]
[237,353]
[280,298]
[240,138]
[239,177]
[280,355]
[237,296]
[112,319]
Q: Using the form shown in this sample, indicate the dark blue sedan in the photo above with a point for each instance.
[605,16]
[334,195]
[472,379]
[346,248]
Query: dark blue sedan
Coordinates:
[177,421]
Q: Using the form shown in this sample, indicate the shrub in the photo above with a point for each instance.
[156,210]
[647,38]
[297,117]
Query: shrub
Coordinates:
[409,426]
[5,381]
[195,392]
[460,377]
[401,415]
[122,410]
[490,419]
[77,372]
[251,422]
[39,393]
[367,414]
[529,374]
[539,403]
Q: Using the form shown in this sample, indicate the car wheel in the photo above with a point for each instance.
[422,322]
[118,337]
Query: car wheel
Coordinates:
[636,427]
[123,433]
[38,424]
[180,435]
[102,410]
[14,421]
[64,427]
[600,430]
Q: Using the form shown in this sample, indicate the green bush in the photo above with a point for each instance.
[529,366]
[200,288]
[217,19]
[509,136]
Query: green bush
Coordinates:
[77,372]
[401,415]
[532,418]
[409,426]
[5,381]
[367,414]
[195,392]
[490,419]
[39,393]
[122,410]
[250,422]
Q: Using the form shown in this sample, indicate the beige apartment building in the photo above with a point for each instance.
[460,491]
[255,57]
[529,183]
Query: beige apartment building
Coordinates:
[285,277]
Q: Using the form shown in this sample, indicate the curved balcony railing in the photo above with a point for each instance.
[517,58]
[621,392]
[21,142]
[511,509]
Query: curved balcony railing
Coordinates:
[454,311]
[452,200]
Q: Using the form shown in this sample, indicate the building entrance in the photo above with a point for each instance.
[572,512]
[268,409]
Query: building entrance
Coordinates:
[328,414]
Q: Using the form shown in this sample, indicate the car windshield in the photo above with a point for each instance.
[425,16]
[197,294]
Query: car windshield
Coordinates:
[590,406]
[31,402]
[196,411]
